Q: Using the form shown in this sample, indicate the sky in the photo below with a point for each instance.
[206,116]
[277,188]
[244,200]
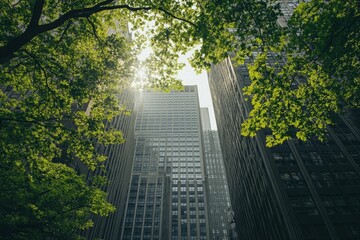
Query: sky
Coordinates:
[189,77]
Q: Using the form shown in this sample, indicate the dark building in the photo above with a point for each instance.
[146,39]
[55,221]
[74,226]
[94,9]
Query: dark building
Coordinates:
[118,170]
[221,226]
[299,190]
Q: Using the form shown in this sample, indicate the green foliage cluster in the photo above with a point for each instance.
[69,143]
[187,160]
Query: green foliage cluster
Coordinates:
[62,63]
[58,92]
[317,70]
[45,200]
[316,76]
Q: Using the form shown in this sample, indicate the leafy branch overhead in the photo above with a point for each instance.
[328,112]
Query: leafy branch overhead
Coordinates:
[33,29]
[312,73]
[63,62]
[58,95]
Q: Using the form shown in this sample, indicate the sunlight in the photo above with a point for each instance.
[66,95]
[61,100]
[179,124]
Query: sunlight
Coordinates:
[141,73]
[140,78]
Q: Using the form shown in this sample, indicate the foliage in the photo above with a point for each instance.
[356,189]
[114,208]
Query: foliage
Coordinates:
[287,104]
[58,91]
[62,62]
[298,97]
[44,200]
[316,67]
[316,70]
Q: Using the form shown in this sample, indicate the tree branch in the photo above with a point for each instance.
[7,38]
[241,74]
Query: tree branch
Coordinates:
[36,13]
[15,3]
[65,30]
[75,208]
[86,12]
[44,72]
[7,51]
[93,29]
[178,18]
[332,39]
[246,8]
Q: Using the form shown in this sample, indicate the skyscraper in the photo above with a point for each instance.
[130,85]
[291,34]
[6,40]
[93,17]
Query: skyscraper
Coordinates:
[299,190]
[117,170]
[220,225]
[166,199]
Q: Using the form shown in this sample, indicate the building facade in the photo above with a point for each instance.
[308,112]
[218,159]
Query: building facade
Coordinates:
[299,190]
[167,193]
[117,169]
[221,227]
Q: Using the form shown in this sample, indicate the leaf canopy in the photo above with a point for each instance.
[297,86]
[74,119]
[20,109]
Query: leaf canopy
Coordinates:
[63,62]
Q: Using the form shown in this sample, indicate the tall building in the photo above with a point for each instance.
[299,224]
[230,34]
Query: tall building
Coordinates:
[299,190]
[117,170]
[205,119]
[166,199]
[221,227]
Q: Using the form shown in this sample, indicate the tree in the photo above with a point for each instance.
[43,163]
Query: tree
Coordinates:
[44,200]
[319,78]
[316,70]
[58,90]
[221,27]
[62,62]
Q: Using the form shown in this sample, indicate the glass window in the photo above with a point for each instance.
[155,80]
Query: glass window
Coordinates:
[339,157]
[316,158]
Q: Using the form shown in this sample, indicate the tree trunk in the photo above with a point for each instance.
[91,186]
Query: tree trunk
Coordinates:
[7,51]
